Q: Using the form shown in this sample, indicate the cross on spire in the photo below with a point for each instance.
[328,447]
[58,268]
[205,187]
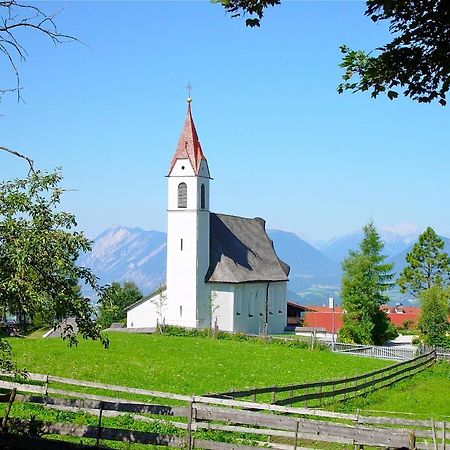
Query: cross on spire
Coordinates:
[189,89]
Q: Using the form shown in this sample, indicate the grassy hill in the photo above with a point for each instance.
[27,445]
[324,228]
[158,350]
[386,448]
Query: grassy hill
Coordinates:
[189,365]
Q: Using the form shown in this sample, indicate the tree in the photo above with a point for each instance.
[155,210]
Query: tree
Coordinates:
[159,299]
[416,61]
[115,300]
[428,265]
[38,253]
[16,16]
[365,280]
[434,312]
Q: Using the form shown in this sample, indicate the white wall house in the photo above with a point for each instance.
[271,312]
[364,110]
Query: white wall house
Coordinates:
[220,268]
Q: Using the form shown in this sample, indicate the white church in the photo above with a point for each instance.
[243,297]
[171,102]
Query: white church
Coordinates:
[222,270]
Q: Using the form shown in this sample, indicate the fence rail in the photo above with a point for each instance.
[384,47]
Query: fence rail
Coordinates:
[375,351]
[320,392]
[194,414]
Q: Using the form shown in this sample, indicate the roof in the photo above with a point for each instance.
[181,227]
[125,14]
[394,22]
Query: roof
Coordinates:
[189,145]
[241,251]
[156,292]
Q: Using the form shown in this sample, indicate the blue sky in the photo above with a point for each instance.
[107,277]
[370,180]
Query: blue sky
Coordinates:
[280,142]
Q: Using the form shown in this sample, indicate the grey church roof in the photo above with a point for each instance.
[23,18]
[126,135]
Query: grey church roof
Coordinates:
[241,251]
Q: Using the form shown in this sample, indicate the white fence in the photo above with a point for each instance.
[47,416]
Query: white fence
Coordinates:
[375,351]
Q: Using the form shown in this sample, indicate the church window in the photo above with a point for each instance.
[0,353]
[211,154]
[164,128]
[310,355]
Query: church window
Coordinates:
[251,303]
[182,195]
[238,303]
[181,244]
[202,196]
[181,311]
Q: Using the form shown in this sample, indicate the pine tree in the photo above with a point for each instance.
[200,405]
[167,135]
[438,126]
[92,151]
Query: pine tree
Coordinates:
[427,265]
[366,278]
[433,321]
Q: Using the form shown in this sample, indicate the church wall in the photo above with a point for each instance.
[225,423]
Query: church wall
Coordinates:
[250,307]
[222,305]
[142,316]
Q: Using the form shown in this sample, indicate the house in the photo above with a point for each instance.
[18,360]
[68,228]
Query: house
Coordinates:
[331,319]
[222,270]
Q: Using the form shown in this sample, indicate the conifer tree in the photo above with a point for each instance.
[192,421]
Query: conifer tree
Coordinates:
[366,278]
[427,265]
[433,321]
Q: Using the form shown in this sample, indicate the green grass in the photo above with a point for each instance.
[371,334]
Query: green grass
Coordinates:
[189,365]
[425,395]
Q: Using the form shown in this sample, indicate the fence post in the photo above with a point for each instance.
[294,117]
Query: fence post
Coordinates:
[296,435]
[443,435]
[12,396]
[254,395]
[274,393]
[412,440]
[190,421]
[99,427]
[46,386]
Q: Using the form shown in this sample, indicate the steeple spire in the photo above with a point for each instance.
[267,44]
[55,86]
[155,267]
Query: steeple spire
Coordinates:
[189,145]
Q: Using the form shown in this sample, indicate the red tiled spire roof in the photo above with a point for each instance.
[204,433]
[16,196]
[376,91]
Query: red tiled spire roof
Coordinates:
[188,145]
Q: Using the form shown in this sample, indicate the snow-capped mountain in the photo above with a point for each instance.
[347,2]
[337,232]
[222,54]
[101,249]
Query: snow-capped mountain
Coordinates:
[128,254]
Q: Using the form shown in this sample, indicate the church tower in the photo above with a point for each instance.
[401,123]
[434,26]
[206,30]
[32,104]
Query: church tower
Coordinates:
[188,231]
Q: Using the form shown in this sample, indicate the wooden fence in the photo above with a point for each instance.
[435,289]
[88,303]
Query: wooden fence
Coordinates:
[242,425]
[318,393]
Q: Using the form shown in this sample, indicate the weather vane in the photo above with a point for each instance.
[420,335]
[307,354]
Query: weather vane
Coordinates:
[189,89]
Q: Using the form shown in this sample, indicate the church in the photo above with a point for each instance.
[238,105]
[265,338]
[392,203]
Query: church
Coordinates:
[222,270]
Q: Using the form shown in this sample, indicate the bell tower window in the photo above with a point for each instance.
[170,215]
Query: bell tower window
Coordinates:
[202,196]
[182,195]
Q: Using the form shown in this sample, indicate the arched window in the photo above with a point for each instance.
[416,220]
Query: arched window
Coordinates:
[182,195]
[202,196]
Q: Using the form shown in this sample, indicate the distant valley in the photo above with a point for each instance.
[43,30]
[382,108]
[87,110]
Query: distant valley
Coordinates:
[133,254]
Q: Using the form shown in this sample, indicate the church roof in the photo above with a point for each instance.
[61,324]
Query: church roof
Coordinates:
[189,145]
[241,251]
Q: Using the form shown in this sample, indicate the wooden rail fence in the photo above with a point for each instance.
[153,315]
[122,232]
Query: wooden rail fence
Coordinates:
[188,420]
[318,393]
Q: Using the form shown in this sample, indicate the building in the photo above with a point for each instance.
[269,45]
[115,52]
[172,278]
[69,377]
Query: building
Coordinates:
[331,319]
[221,269]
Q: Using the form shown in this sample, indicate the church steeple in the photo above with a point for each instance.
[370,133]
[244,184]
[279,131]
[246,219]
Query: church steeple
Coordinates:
[189,145]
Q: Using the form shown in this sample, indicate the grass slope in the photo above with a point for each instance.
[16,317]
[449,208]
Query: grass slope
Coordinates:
[189,365]
[425,395]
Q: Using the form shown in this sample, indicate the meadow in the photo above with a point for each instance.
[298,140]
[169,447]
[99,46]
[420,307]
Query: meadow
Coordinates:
[188,365]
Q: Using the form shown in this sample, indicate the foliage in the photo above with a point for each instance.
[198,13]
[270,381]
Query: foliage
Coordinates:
[366,277]
[253,8]
[416,61]
[38,253]
[115,300]
[187,364]
[434,311]
[427,265]
[159,299]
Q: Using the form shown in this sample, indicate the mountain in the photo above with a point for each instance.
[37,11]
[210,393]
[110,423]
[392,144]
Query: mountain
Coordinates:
[132,254]
[399,260]
[128,254]
[396,239]
[309,266]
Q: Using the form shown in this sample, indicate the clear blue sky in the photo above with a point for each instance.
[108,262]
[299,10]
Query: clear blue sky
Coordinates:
[280,142]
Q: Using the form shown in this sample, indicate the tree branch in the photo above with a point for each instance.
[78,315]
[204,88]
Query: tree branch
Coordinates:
[19,155]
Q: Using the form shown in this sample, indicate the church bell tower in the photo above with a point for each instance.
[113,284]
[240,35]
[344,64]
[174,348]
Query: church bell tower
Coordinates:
[188,231]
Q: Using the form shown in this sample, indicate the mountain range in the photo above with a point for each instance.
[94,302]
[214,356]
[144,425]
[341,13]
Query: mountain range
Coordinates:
[133,254]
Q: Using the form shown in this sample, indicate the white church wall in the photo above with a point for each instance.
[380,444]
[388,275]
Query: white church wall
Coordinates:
[144,315]
[222,305]
[250,307]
